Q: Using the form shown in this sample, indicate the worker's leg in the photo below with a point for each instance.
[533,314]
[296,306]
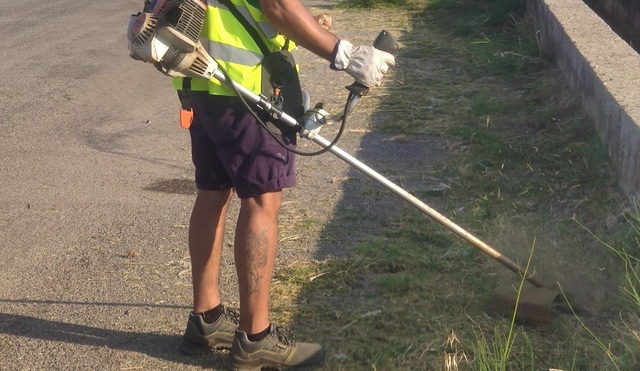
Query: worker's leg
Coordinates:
[206,234]
[255,245]
[258,344]
[211,324]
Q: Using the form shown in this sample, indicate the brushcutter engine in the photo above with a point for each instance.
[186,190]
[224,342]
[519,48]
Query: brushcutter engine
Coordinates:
[167,34]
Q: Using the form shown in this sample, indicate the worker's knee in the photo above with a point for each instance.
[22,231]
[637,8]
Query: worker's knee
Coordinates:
[269,203]
[213,200]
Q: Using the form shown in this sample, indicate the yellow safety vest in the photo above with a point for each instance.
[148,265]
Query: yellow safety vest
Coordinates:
[229,43]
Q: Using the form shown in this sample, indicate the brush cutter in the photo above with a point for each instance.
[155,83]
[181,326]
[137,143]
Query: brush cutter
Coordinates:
[158,37]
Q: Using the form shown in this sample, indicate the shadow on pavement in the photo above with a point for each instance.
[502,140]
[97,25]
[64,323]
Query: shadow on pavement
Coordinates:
[151,344]
[97,303]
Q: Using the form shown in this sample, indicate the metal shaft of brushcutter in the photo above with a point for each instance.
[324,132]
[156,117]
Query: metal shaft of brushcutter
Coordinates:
[366,170]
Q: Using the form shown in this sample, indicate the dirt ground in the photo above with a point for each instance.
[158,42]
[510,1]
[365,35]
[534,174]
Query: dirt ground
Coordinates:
[96,190]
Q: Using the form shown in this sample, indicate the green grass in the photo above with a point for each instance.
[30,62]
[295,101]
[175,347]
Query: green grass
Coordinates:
[626,248]
[523,160]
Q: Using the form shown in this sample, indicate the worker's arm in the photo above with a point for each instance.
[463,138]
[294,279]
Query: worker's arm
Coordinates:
[365,63]
[293,20]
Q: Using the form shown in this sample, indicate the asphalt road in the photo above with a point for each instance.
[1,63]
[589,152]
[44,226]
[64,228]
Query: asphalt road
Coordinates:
[95,193]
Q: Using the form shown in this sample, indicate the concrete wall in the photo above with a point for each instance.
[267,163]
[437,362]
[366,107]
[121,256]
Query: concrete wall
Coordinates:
[604,70]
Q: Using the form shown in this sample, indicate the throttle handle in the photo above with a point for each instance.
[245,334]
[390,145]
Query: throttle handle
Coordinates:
[385,42]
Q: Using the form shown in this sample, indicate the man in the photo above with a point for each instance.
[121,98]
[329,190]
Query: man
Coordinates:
[232,153]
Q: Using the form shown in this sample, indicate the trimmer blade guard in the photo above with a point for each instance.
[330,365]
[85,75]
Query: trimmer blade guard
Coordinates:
[535,304]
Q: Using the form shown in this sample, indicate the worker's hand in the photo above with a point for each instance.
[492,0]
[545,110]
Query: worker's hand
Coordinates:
[324,21]
[365,63]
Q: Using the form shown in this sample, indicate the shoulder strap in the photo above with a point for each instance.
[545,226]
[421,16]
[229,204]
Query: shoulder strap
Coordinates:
[250,29]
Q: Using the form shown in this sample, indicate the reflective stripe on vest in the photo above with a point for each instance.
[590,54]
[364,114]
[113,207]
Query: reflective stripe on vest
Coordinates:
[229,43]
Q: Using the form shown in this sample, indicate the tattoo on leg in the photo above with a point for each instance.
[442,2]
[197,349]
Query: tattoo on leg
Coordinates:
[257,256]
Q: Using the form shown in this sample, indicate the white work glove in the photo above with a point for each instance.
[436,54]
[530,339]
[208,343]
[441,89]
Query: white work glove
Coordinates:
[365,63]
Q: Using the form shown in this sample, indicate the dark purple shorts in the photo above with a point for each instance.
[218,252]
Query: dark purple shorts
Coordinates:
[231,150]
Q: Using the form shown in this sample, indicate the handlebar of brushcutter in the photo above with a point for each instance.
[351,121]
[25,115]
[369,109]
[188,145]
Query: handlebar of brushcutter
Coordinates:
[314,119]
[385,42]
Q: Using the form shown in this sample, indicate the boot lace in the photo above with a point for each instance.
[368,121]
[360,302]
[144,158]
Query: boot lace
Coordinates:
[284,335]
[232,314]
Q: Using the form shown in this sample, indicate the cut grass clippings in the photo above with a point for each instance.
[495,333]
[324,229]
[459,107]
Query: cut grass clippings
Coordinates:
[524,163]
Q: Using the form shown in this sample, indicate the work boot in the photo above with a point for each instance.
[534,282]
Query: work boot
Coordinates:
[276,351]
[200,337]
